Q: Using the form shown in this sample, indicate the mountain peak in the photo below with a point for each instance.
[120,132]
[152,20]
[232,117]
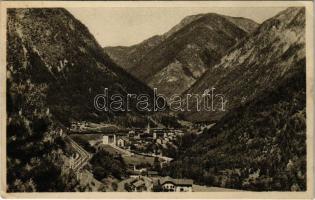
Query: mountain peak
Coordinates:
[246,24]
[49,46]
[173,61]
[293,16]
[258,63]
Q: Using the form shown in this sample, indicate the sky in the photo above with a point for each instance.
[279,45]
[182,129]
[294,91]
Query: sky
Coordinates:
[125,26]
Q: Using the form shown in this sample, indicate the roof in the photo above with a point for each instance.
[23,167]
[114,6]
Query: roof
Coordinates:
[123,139]
[132,172]
[176,181]
[153,172]
[138,183]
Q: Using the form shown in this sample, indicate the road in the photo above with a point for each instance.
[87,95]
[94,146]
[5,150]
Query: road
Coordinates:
[123,151]
[155,122]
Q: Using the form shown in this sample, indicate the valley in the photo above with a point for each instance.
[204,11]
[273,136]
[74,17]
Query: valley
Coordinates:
[145,152]
[82,118]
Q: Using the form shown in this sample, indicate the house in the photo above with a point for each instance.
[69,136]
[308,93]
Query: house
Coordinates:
[136,136]
[122,142]
[158,132]
[169,184]
[138,186]
[141,170]
[179,132]
[159,141]
[131,132]
[153,173]
[93,142]
[134,174]
[171,133]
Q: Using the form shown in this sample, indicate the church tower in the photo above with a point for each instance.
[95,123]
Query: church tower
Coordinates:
[148,128]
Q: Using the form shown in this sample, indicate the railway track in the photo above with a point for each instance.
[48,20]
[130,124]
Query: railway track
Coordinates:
[83,156]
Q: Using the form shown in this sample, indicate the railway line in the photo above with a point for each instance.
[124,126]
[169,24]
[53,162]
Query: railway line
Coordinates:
[83,156]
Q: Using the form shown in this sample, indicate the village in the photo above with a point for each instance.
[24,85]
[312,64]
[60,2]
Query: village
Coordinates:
[143,150]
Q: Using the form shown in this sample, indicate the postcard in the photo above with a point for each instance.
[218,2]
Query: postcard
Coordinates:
[157,99]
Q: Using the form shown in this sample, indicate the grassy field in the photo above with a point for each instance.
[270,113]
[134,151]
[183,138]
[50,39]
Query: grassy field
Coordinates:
[138,159]
[111,150]
[133,159]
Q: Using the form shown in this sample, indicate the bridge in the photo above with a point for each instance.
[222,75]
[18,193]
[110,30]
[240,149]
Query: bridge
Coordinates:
[82,159]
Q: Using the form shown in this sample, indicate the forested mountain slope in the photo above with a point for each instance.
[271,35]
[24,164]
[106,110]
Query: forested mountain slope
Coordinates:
[259,146]
[257,64]
[54,70]
[260,143]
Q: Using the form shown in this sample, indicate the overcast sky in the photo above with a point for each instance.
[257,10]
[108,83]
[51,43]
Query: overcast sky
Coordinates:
[127,26]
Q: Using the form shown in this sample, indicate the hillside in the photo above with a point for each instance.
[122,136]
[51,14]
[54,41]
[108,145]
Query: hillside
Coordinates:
[54,69]
[58,52]
[255,65]
[261,144]
[172,62]
[128,57]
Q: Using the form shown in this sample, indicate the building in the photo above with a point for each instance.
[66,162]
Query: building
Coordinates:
[153,173]
[159,141]
[138,186]
[141,170]
[169,184]
[131,133]
[179,132]
[109,139]
[148,129]
[134,174]
[115,140]
[120,142]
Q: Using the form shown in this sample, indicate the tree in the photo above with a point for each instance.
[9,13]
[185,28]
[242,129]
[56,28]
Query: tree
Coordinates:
[105,164]
[156,164]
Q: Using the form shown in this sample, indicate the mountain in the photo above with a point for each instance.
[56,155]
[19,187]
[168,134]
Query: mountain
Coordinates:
[128,57]
[49,48]
[55,68]
[255,65]
[172,62]
[261,144]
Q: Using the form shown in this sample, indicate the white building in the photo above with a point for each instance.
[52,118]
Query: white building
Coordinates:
[109,139]
[122,142]
[148,129]
[176,185]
